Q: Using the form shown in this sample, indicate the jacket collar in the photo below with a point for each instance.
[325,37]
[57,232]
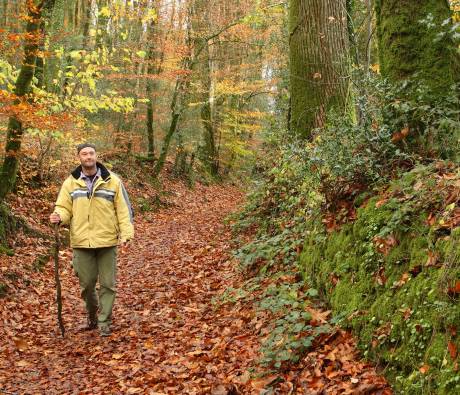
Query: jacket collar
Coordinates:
[105,174]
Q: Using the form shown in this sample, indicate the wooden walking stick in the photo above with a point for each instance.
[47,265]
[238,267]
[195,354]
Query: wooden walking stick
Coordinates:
[56,277]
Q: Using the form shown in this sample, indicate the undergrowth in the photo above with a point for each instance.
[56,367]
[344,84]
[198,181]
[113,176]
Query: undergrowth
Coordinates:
[371,223]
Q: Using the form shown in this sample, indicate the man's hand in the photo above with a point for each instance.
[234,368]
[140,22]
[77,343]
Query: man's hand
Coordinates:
[55,218]
[124,245]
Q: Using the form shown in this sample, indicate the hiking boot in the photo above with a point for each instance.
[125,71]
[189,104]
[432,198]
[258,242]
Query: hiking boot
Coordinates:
[105,331]
[92,322]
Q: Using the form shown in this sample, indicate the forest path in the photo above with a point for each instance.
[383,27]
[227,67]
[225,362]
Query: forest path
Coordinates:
[169,336]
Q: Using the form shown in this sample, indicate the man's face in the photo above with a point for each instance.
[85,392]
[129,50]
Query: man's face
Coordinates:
[87,157]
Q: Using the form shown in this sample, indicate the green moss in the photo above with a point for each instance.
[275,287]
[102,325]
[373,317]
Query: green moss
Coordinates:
[411,42]
[3,223]
[7,225]
[395,303]
[40,262]
[312,64]
[3,290]
[6,251]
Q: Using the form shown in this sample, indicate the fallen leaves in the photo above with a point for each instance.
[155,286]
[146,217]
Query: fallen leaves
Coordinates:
[168,336]
[333,368]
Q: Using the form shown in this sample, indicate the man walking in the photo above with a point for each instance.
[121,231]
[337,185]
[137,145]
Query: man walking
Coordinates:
[95,203]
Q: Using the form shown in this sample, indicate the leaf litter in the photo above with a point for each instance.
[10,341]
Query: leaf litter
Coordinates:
[169,336]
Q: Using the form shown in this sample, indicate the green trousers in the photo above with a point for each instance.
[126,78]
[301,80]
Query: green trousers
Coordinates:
[91,264]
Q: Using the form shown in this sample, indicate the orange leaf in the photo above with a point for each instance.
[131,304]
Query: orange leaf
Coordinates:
[455,290]
[431,220]
[452,350]
[396,137]
[424,369]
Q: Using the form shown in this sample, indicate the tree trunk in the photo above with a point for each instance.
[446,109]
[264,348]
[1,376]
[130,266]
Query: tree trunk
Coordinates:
[15,130]
[40,61]
[102,25]
[318,47]
[200,20]
[368,47]
[210,155]
[408,47]
[88,18]
[150,87]
[4,13]
[180,94]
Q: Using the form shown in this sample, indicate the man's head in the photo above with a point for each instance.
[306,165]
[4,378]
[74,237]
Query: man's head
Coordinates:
[87,155]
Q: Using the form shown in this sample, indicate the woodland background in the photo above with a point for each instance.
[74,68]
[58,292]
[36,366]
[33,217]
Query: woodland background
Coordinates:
[340,117]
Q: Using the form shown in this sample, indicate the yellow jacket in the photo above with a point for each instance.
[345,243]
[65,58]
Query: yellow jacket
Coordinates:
[102,219]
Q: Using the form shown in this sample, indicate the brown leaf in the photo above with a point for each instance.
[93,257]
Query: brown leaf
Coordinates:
[406,313]
[21,344]
[403,280]
[380,277]
[431,220]
[318,317]
[432,259]
[135,390]
[220,390]
[452,349]
[405,132]
[262,382]
[415,270]
[384,245]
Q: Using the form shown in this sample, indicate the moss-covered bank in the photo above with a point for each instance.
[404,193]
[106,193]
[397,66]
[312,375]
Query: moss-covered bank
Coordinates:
[394,276]
[5,225]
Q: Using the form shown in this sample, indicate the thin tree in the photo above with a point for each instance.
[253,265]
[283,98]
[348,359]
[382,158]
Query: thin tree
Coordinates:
[200,19]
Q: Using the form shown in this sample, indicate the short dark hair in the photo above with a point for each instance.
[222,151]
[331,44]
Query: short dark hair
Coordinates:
[85,145]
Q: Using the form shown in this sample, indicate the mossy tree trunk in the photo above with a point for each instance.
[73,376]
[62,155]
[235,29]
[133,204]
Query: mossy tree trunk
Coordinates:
[200,20]
[180,97]
[319,66]
[40,61]
[409,47]
[15,130]
[151,87]
[4,12]
[210,153]
[102,25]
